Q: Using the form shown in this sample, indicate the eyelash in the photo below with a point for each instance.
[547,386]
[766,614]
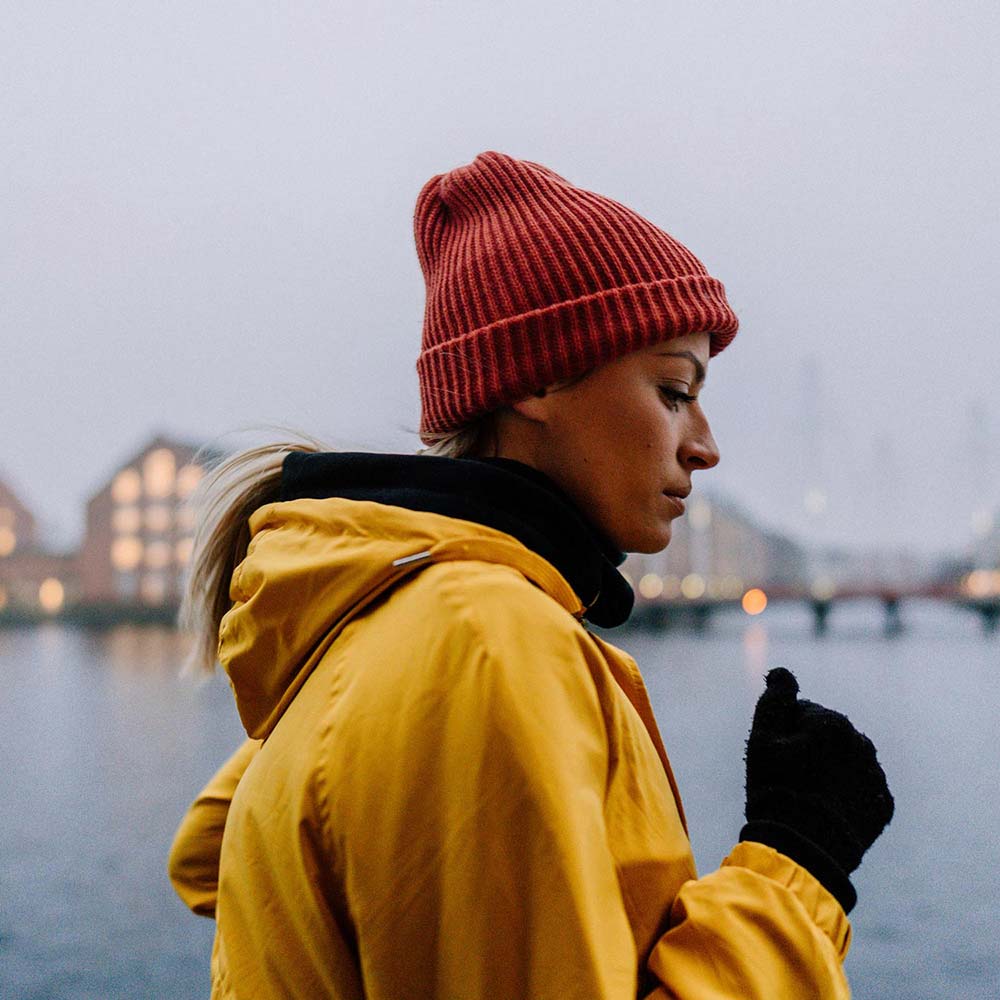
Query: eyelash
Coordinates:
[674,397]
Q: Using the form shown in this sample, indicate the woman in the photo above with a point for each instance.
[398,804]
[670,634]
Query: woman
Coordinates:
[452,788]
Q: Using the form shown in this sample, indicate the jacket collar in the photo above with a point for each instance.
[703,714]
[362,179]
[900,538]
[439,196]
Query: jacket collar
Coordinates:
[502,494]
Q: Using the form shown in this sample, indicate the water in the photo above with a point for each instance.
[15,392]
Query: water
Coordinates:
[101,748]
[102,745]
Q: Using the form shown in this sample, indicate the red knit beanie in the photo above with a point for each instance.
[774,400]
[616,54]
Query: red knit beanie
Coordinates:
[531,280]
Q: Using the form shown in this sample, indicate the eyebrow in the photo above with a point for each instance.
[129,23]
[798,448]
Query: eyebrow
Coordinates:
[699,368]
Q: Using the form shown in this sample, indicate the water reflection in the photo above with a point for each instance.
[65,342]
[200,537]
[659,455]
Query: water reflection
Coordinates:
[130,650]
[755,650]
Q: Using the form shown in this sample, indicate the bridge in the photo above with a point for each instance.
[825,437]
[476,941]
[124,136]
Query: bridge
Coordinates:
[979,599]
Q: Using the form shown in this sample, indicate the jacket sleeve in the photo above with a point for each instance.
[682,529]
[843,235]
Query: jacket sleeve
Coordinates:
[497,880]
[193,863]
[760,926]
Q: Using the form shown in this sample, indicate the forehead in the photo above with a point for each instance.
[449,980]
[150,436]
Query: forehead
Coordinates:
[690,352]
[699,344]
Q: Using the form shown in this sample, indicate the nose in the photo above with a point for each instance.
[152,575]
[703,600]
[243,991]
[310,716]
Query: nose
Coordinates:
[698,449]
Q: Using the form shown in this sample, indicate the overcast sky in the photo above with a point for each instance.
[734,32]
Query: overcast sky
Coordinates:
[205,224]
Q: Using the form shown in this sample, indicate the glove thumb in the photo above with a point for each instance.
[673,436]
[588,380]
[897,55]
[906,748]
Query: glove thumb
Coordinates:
[777,707]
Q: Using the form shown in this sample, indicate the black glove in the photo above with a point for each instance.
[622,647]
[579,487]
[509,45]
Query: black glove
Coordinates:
[815,789]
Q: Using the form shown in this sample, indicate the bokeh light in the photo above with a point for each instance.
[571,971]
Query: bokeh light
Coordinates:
[126,487]
[159,473]
[51,595]
[126,552]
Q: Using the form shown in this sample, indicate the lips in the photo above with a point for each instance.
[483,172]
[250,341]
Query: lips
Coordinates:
[676,502]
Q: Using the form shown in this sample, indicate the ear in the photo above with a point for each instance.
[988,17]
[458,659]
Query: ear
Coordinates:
[535,407]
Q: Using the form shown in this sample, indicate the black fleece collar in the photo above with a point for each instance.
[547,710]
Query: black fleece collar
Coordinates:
[496,492]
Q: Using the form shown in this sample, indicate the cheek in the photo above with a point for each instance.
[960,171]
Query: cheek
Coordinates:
[641,422]
[651,436]
[617,449]
[637,468]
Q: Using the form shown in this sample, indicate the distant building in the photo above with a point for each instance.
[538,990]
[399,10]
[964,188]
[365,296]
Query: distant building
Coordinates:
[887,567]
[787,561]
[33,580]
[138,535]
[17,523]
[716,551]
[30,578]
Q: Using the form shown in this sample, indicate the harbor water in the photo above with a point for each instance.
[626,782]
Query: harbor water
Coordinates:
[103,744]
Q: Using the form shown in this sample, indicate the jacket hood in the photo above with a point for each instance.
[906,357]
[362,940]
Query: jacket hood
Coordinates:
[313,565]
[496,492]
[352,525]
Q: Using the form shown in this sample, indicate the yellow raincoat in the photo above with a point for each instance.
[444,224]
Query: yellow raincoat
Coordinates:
[461,792]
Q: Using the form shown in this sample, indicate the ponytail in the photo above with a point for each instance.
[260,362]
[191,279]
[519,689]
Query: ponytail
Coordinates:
[224,501]
[231,492]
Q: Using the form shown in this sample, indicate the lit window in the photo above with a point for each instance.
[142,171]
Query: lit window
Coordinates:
[51,595]
[126,552]
[183,551]
[650,586]
[158,472]
[8,542]
[980,583]
[126,486]
[126,520]
[186,517]
[6,517]
[187,480]
[158,518]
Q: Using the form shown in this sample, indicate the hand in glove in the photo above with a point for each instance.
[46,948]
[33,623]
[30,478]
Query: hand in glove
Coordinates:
[815,789]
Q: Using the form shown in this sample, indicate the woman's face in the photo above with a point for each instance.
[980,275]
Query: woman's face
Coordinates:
[624,440]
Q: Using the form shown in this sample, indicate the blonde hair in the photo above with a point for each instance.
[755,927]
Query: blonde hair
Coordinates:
[231,491]
[227,496]
[474,440]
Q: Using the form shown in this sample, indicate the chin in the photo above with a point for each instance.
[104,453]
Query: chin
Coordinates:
[646,540]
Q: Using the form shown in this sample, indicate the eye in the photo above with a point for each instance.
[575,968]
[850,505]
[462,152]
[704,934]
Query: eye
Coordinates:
[674,397]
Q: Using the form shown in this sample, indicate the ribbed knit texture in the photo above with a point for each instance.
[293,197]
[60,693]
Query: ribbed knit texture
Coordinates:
[531,280]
